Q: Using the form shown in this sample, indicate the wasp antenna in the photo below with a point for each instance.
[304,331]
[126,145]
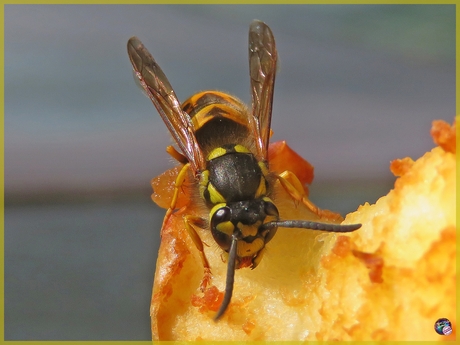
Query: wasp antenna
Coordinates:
[230,279]
[305,224]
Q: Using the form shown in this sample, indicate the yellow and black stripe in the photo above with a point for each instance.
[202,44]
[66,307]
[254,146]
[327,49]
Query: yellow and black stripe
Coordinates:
[217,112]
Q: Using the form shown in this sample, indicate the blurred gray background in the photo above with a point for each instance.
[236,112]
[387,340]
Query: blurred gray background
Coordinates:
[357,87]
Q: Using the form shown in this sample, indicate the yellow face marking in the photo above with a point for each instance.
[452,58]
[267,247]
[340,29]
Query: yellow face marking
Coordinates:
[214,196]
[249,249]
[249,230]
[217,152]
[226,228]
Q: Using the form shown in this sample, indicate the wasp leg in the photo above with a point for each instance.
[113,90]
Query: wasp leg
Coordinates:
[177,184]
[176,155]
[190,223]
[294,188]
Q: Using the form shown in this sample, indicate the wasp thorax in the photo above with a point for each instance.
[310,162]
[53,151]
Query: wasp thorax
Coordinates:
[232,174]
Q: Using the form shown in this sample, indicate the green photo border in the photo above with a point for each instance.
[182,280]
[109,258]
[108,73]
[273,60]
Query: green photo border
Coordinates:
[2,100]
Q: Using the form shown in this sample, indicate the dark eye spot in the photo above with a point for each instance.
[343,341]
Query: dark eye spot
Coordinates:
[270,209]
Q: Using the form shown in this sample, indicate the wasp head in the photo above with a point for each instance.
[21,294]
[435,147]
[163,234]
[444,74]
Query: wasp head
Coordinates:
[243,221]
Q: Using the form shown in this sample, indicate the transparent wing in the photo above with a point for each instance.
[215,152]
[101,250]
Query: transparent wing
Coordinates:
[262,70]
[159,90]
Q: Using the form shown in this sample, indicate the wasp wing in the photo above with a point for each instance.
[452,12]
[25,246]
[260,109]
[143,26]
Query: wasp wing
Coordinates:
[262,70]
[157,87]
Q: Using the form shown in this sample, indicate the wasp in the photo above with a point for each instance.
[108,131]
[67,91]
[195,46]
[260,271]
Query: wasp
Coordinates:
[224,146]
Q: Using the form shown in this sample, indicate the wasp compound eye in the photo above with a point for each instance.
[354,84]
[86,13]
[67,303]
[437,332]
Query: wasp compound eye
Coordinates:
[221,227]
[270,210]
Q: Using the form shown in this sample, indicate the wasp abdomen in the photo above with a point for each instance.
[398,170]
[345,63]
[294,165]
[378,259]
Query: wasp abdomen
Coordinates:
[229,132]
